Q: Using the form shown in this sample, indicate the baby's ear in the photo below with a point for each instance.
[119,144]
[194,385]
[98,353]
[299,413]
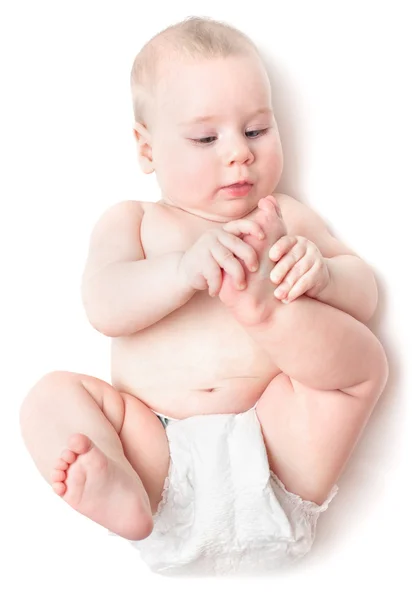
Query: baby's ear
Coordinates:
[144,148]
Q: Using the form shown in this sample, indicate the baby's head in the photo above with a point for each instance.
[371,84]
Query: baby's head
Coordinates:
[196,69]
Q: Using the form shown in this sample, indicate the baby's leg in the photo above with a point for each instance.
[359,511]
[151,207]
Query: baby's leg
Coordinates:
[104,452]
[333,372]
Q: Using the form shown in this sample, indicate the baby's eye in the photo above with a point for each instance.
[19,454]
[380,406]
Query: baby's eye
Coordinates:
[206,140]
[258,131]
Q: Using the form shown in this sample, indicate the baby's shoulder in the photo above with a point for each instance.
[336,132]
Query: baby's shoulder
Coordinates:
[151,208]
[123,215]
[142,206]
[302,220]
[137,207]
[293,212]
[298,217]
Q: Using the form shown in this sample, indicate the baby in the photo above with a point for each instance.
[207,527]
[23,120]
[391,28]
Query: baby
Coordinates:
[242,370]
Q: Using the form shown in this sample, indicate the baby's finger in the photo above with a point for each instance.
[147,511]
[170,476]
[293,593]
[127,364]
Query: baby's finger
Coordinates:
[213,277]
[282,246]
[228,261]
[300,287]
[242,250]
[289,271]
[244,226]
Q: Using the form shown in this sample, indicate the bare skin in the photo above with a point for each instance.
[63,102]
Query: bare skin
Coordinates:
[256,302]
[100,488]
[94,484]
[313,368]
[121,489]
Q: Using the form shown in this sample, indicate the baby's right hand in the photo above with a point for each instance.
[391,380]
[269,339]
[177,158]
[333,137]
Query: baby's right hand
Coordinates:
[216,249]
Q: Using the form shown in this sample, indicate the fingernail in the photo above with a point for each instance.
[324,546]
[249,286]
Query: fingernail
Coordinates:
[253,268]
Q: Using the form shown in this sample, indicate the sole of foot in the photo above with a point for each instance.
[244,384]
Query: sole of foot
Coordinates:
[103,490]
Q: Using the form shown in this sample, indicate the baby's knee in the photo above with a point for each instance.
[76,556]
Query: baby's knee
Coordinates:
[381,366]
[377,372]
[43,388]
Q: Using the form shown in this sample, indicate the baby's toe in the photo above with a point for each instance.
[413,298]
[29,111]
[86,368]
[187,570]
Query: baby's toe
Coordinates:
[59,488]
[79,443]
[270,205]
[61,464]
[68,456]
[58,475]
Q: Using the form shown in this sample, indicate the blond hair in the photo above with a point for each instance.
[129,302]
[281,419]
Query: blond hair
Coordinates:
[195,37]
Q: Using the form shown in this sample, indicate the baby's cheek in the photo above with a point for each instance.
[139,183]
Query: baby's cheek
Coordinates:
[183,181]
[172,175]
[273,169]
[197,175]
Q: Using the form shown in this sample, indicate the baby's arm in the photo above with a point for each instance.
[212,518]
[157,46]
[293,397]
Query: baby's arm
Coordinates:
[123,292]
[352,286]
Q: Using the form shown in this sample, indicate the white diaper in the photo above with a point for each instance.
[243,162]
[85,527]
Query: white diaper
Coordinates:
[223,511]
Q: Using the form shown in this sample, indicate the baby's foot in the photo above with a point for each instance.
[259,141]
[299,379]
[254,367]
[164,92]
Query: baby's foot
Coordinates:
[256,302]
[101,489]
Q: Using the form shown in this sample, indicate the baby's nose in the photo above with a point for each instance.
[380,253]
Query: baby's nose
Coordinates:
[237,151]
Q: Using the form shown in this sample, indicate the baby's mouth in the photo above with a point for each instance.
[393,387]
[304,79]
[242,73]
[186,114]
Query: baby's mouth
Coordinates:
[238,189]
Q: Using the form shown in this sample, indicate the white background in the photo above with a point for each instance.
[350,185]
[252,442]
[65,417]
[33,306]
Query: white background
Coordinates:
[345,96]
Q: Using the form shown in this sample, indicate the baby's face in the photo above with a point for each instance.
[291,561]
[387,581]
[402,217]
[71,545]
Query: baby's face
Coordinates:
[237,140]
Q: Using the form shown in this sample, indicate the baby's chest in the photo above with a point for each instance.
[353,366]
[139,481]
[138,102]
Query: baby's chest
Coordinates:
[167,229]
[170,230]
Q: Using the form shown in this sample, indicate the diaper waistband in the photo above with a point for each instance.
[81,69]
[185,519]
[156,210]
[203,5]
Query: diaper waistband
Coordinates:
[172,418]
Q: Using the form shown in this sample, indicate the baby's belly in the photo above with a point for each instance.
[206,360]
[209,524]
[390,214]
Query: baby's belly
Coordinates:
[187,365]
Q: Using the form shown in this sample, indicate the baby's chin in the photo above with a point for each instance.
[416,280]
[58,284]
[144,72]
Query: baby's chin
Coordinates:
[238,208]
[231,210]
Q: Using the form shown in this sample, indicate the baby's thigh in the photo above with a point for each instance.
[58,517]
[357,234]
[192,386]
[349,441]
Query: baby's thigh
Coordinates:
[309,434]
[146,447]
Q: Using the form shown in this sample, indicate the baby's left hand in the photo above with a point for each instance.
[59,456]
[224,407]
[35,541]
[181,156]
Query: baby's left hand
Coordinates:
[301,268]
